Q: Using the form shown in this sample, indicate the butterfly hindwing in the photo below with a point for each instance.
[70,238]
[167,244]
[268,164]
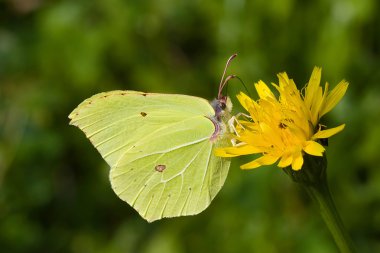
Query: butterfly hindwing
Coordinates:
[158,147]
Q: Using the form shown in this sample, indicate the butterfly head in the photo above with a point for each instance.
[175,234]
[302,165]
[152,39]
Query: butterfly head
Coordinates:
[222,106]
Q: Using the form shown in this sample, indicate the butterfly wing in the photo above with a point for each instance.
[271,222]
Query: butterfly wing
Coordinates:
[158,147]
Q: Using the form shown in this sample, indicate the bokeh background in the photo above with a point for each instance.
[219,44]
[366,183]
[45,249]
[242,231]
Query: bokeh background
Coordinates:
[54,190]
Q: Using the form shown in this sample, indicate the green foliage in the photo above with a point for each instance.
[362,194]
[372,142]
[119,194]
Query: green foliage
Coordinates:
[54,190]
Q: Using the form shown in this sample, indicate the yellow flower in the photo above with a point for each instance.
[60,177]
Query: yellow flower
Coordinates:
[285,128]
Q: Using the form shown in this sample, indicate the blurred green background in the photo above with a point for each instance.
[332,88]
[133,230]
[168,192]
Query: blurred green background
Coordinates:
[54,190]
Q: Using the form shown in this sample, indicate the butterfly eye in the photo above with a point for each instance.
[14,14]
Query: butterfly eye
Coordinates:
[222,102]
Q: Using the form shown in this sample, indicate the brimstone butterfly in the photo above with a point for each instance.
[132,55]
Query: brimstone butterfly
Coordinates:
[159,147]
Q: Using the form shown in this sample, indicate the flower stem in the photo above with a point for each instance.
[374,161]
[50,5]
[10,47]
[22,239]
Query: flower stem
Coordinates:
[313,178]
[321,195]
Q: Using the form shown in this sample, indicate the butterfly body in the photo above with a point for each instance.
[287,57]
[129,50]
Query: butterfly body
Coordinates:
[159,147]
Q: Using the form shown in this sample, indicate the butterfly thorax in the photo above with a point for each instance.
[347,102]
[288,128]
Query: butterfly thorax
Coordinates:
[222,108]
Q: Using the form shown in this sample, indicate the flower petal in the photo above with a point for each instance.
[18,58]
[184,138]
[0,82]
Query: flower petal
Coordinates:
[286,160]
[244,100]
[263,160]
[236,151]
[322,134]
[314,148]
[263,91]
[334,97]
[316,106]
[312,86]
[283,80]
[297,161]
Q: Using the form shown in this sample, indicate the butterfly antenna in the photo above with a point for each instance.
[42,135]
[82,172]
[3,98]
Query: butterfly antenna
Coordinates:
[249,94]
[224,81]
[228,78]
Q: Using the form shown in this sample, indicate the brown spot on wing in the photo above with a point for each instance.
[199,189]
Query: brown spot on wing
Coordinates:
[160,167]
[143,114]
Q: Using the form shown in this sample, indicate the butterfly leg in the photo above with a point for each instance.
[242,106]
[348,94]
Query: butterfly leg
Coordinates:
[234,121]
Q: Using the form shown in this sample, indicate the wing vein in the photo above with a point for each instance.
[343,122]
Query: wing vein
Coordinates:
[205,173]
[185,168]
[144,138]
[107,126]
